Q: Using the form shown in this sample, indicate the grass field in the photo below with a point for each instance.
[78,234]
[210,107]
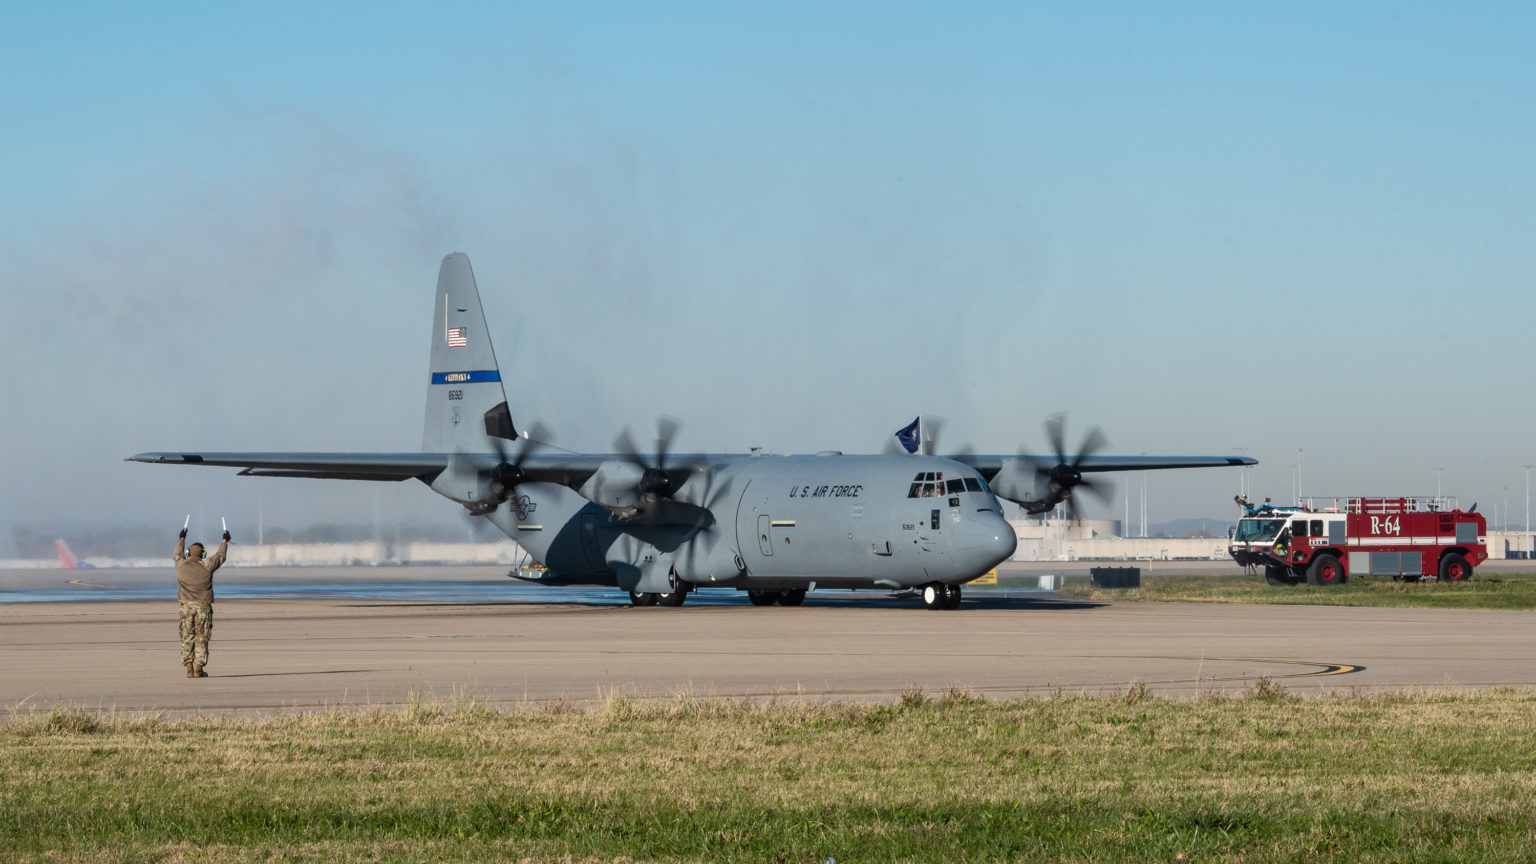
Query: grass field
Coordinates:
[1483,591]
[1257,778]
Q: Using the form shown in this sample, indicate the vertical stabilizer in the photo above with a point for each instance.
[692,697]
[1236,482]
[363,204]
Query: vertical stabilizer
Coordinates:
[67,558]
[465,402]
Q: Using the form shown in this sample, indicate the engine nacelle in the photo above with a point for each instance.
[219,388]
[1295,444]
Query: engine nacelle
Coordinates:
[708,559]
[615,485]
[466,483]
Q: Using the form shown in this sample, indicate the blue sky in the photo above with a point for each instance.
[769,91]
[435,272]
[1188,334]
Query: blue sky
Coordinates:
[1202,226]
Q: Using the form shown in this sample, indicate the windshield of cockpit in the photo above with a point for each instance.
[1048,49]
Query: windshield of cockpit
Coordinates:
[931,484]
[1257,530]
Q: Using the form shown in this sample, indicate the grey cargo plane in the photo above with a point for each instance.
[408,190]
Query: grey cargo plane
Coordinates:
[660,525]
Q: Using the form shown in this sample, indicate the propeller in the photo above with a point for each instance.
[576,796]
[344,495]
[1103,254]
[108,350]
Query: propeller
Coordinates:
[655,481]
[1065,476]
[708,543]
[933,430]
[508,473]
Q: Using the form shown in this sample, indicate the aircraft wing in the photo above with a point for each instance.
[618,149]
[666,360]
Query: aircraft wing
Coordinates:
[1038,483]
[569,469]
[330,466]
[1152,463]
[990,465]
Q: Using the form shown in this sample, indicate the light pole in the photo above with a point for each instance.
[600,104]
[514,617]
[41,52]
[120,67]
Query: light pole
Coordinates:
[1143,504]
[1437,489]
[1527,509]
[1299,451]
[1242,473]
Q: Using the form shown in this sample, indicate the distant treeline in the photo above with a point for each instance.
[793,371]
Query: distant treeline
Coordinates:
[91,540]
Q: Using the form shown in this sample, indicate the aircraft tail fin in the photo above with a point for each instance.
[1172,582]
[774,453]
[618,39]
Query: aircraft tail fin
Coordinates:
[466,405]
[67,558]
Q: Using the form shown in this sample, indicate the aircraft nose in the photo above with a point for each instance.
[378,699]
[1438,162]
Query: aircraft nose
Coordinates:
[984,542]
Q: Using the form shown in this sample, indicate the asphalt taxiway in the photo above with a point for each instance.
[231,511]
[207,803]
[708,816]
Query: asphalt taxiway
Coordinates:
[320,640]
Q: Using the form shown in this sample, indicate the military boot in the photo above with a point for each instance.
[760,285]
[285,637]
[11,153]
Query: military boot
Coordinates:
[190,673]
[199,673]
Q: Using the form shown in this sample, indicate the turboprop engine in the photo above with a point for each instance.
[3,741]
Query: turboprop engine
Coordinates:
[1039,486]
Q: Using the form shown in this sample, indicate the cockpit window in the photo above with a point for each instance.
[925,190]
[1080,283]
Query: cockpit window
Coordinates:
[931,484]
[927,484]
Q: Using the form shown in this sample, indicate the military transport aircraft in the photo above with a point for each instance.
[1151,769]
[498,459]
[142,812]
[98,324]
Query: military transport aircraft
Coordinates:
[660,525]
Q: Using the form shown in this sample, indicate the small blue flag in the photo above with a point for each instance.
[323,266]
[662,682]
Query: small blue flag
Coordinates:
[911,436]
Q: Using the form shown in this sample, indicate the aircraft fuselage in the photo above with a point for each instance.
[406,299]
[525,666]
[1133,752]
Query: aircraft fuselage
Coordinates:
[780,522]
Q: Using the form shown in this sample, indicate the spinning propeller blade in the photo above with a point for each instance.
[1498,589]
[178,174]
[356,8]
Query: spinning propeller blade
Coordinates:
[1065,475]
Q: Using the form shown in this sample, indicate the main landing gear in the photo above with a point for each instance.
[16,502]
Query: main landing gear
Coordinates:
[937,595]
[648,598]
[764,597]
[675,596]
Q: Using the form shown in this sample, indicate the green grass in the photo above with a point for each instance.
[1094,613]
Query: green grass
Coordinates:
[1483,591]
[1261,777]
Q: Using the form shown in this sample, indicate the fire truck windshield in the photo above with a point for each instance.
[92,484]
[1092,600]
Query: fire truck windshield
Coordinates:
[1257,530]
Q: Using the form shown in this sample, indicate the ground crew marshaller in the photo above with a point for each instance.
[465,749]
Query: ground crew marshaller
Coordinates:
[194,588]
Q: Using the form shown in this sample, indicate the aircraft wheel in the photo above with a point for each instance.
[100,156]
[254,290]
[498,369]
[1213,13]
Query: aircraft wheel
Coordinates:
[933,596]
[792,597]
[760,597]
[1326,570]
[952,597]
[674,598]
[642,598]
[1454,568]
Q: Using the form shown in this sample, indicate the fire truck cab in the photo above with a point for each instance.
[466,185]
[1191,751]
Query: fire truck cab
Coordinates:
[1327,541]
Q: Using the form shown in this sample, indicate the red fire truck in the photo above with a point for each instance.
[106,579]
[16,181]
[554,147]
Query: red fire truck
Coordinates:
[1327,541]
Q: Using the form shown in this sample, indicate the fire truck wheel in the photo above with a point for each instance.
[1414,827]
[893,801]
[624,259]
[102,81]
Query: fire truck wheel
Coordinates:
[1325,570]
[1454,568]
[1278,576]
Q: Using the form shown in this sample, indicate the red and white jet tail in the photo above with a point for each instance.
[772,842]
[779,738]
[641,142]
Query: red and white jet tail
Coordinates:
[67,558]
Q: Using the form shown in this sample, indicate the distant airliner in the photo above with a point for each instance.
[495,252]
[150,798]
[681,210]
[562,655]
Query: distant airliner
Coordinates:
[67,558]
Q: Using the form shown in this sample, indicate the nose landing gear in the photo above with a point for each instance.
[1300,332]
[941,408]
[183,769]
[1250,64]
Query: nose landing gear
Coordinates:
[937,595]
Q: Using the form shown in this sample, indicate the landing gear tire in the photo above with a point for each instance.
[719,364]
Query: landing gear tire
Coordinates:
[759,597]
[792,597]
[934,596]
[677,595]
[1326,570]
[1454,568]
[1277,576]
[642,598]
[952,597]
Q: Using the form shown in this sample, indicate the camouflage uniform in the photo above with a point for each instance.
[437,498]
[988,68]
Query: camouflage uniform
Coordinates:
[194,588]
[196,630]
